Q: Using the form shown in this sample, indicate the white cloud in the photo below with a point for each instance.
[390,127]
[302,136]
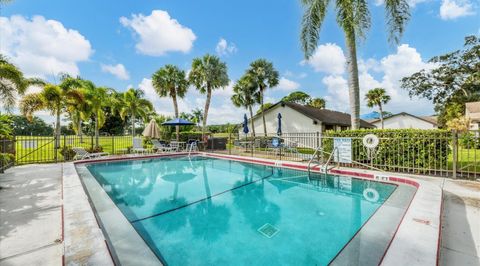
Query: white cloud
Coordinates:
[225,48]
[117,70]
[452,9]
[285,84]
[159,34]
[42,47]
[328,58]
[391,68]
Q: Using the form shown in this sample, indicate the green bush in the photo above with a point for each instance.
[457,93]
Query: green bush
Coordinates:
[68,153]
[469,141]
[398,148]
[185,136]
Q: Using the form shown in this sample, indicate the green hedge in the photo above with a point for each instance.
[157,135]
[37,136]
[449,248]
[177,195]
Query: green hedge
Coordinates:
[398,148]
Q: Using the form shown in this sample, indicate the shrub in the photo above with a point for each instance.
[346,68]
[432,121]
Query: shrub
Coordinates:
[469,141]
[95,149]
[398,148]
[68,153]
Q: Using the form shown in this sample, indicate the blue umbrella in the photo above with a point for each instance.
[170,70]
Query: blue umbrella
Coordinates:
[178,122]
[245,124]
[279,130]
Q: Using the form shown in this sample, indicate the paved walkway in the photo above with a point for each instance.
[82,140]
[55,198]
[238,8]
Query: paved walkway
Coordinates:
[461,223]
[31,215]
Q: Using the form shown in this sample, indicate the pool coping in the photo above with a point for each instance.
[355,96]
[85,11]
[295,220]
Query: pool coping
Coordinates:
[417,237]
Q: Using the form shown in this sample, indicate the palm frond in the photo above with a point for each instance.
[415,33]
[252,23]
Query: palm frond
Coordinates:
[397,14]
[312,20]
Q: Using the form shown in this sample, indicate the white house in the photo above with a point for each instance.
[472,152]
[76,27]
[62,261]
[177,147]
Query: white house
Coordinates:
[405,120]
[472,112]
[297,118]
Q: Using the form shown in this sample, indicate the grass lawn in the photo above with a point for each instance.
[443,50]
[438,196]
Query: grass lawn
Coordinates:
[41,149]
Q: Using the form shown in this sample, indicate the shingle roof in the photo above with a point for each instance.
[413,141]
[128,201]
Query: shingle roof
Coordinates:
[326,116]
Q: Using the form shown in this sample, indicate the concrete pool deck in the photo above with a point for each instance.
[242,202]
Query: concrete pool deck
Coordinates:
[31,219]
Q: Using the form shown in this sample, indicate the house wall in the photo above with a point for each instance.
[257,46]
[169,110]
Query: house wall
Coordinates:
[474,120]
[404,121]
[292,121]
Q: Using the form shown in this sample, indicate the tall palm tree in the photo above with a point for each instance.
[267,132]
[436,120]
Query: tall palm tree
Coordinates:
[354,18]
[135,105]
[208,73]
[264,76]
[245,94]
[53,98]
[170,81]
[377,97]
[12,82]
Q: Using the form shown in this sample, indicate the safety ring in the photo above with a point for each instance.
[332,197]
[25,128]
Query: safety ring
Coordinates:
[370,141]
[371,195]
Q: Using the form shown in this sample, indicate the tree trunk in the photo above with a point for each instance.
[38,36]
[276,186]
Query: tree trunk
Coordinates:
[381,113]
[353,85]
[251,119]
[205,114]
[57,129]
[133,124]
[96,131]
[79,130]
[263,113]
[175,107]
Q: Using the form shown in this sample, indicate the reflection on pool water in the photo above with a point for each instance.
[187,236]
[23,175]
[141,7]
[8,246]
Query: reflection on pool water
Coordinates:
[207,211]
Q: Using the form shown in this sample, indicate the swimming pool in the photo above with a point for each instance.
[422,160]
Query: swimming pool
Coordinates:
[203,211]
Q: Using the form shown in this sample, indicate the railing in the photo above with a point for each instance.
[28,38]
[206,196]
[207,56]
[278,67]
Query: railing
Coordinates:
[433,153]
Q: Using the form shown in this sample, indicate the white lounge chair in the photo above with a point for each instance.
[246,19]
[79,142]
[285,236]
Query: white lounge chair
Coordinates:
[138,146]
[81,154]
[161,147]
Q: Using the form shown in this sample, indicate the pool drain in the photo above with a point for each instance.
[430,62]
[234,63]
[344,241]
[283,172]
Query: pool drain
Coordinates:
[268,230]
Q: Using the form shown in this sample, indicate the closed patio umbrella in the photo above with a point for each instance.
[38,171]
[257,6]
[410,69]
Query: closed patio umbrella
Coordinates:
[279,129]
[245,124]
[152,130]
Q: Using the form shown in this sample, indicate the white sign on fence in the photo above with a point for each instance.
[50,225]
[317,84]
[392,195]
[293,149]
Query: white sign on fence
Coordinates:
[344,147]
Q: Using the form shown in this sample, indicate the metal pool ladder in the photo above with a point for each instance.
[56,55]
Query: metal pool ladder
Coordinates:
[192,147]
[324,166]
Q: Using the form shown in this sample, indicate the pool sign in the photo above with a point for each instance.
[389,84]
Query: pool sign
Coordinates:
[344,150]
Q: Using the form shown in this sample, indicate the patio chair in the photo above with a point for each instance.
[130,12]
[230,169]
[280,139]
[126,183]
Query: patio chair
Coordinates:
[138,146]
[161,147]
[81,154]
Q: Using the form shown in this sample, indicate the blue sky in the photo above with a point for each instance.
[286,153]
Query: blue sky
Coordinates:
[121,43]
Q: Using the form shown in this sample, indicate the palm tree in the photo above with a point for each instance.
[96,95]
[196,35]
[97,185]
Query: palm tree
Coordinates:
[264,76]
[77,110]
[354,18]
[135,105]
[12,82]
[53,98]
[377,97]
[170,81]
[96,99]
[197,115]
[317,103]
[208,73]
[246,95]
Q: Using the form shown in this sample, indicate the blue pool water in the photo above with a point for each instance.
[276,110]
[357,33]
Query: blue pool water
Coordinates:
[206,211]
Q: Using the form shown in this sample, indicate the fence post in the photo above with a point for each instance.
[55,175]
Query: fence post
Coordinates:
[229,143]
[113,144]
[318,145]
[91,142]
[55,147]
[455,154]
